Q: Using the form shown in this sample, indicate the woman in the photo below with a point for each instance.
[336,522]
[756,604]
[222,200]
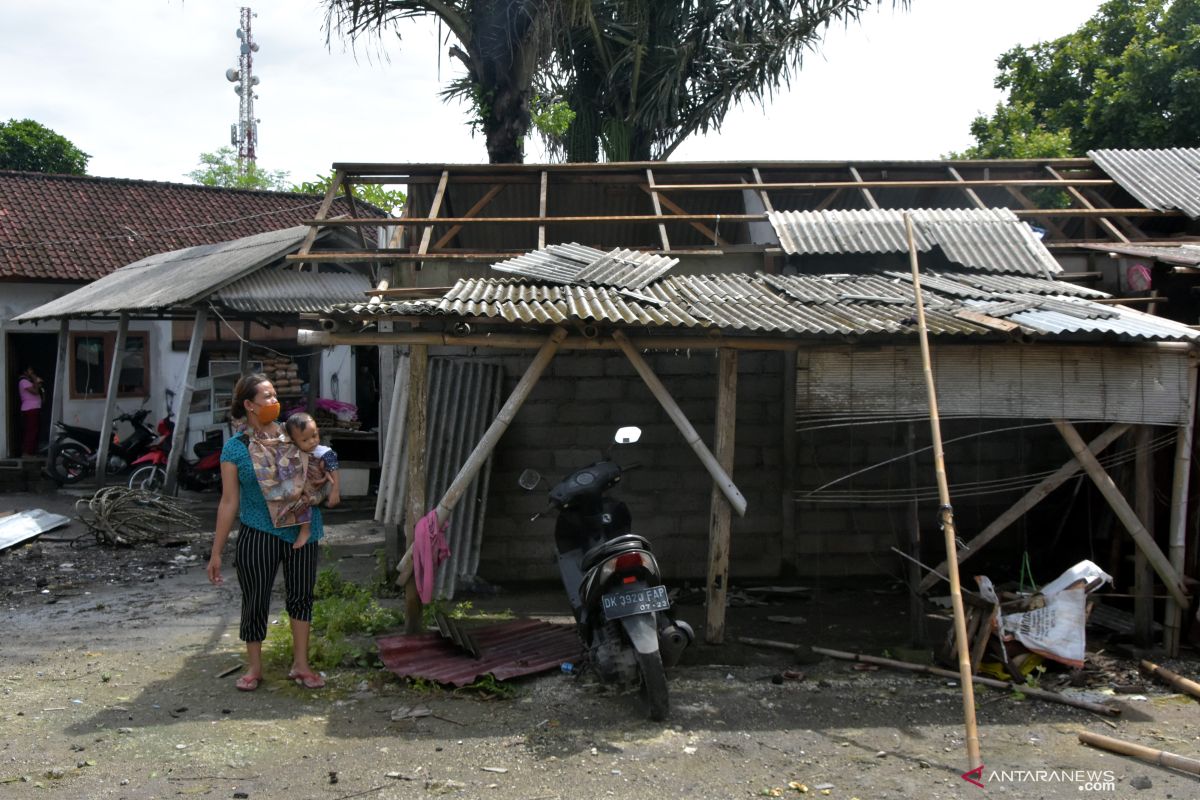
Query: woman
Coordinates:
[261,547]
[29,386]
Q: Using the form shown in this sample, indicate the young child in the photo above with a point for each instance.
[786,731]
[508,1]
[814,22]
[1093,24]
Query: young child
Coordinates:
[321,481]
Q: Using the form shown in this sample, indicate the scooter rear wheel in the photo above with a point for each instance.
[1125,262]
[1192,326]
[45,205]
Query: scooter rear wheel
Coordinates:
[68,462]
[149,478]
[654,685]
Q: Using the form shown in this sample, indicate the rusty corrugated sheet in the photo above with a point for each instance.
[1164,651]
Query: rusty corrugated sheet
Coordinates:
[506,650]
[1165,180]
[992,239]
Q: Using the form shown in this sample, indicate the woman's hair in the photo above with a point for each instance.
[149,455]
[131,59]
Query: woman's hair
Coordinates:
[246,389]
[297,422]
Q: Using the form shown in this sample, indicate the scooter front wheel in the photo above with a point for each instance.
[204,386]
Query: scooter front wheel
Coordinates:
[654,685]
[149,478]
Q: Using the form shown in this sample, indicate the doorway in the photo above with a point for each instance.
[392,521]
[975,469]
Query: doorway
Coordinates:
[37,350]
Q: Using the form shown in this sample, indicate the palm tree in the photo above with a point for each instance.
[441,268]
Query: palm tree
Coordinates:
[502,44]
[643,75]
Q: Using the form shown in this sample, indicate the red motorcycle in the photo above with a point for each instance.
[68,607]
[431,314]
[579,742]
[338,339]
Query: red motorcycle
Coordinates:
[150,471]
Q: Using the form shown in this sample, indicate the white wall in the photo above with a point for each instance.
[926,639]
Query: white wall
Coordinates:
[337,361]
[166,367]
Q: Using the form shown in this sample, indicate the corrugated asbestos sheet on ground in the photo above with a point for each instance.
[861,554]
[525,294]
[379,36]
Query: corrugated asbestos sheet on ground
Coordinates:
[576,264]
[1138,385]
[507,650]
[1166,180]
[869,303]
[992,239]
[278,291]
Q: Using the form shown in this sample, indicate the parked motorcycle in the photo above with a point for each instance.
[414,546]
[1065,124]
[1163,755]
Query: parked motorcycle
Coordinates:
[613,581]
[150,470]
[72,455]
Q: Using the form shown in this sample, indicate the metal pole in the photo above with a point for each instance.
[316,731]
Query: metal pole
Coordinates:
[947,517]
[60,374]
[110,400]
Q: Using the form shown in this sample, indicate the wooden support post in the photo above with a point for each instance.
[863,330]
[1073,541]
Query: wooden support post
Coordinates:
[762,193]
[542,196]
[723,481]
[1177,530]
[322,213]
[1126,514]
[183,401]
[662,229]
[718,518]
[314,381]
[791,547]
[1143,575]
[1027,501]
[416,431]
[487,443]
[866,193]
[434,210]
[60,374]
[110,400]
[487,198]
[946,513]
[244,349]
[916,607]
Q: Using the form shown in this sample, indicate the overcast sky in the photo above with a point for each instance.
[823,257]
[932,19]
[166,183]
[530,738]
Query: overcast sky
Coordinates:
[140,85]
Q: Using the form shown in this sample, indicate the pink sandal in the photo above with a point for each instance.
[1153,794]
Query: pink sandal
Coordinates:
[309,680]
[248,683]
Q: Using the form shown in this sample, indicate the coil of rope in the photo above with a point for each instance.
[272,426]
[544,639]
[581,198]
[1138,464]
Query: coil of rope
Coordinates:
[122,517]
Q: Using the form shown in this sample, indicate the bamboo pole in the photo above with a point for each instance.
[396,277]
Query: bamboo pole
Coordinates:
[520,341]
[719,476]
[60,373]
[1176,680]
[1126,514]
[1160,757]
[183,400]
[1177,530]
[417,428]
[490,437]
[947,515]
[1027,501]
[891,663]
[110,400]
[718,518]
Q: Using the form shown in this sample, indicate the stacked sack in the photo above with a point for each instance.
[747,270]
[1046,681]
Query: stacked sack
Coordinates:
[284,373]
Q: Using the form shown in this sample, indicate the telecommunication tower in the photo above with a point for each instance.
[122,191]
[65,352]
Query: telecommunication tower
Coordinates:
[244,135]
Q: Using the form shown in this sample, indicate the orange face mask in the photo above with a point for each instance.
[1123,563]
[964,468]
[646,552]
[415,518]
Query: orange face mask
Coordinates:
[267,413]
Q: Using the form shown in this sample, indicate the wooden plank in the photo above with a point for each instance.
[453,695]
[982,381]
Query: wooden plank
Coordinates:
[434,210]
[314,381]
[722,479]
[110,400]
[676,210]
[916,605]
[1027,501]
[762,192]
[1028,205]
[542,197]
[1126,514]
[472,213]
[655,219]
[662,229]
[718,517]
[859,183]
[519,341]
[866,193]
[1143,576]
[348,188]
[417,431]
[319,219]
[967,190]
[827,201]
[183,400]
[1083,201]
[1177,527]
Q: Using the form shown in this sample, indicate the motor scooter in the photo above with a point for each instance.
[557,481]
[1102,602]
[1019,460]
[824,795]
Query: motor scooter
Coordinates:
[150,470]
[72,455]
[613,581]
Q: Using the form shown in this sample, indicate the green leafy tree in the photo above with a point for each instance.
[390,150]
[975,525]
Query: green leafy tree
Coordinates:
[221,169]
[643,75]
[389,200]
[1013,132]
[1128,77]
[32,147]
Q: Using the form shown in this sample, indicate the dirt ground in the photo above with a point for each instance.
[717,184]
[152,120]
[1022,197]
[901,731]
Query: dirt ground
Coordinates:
[109,677]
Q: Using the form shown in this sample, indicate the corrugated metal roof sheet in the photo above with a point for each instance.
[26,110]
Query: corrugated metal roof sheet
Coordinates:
[802,305]
[1165,180]
[991,239]
[507,650]
[279,291]
[180,277]
[1187,255]
[576,264]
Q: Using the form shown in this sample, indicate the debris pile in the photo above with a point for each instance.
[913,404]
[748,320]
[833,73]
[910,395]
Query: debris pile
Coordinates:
[123,517]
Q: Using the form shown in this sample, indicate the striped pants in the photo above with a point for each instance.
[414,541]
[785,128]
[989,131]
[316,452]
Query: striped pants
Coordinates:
[259,555]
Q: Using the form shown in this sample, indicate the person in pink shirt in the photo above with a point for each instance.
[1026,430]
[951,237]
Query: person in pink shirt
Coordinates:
[30,388]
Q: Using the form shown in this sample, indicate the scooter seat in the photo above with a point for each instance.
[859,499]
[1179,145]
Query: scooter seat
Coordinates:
[615,545]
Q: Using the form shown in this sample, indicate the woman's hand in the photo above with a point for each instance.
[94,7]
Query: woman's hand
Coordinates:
[333,499]
[214,569]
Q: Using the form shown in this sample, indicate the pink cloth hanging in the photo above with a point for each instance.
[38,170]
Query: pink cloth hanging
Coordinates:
[429,550]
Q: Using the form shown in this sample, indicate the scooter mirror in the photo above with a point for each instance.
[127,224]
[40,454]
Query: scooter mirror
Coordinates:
[628,435]
[529,479]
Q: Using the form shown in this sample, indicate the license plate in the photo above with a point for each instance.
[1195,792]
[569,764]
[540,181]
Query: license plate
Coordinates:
[638,600]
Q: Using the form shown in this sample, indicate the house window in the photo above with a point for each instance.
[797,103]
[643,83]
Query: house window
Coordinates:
[91,364]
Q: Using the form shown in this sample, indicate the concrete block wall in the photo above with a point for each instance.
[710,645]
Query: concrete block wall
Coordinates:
[570,419]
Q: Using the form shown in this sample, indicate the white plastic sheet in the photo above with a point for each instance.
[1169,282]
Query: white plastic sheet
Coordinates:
[17,528]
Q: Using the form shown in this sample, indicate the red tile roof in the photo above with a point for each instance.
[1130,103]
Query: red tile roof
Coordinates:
[63,227]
